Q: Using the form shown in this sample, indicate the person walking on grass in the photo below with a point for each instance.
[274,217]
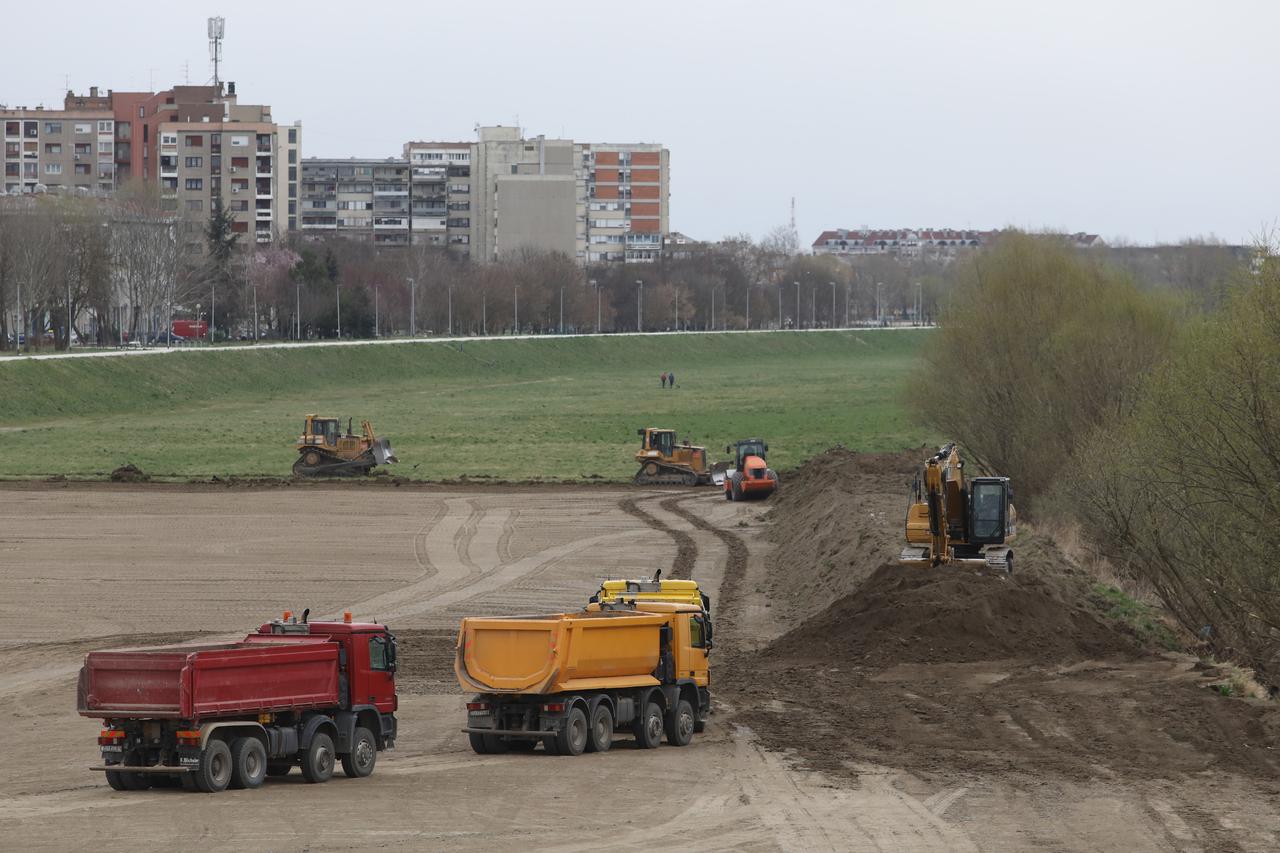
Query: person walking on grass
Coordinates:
[664,379]
[671,379]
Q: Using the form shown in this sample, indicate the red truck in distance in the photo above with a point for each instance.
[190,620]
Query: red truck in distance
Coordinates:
[208,717]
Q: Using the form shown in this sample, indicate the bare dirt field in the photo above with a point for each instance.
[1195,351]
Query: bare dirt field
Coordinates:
[859,709]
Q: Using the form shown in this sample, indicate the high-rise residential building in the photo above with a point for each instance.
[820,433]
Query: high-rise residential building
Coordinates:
[628,201]
[365,199]
[198,143]
[59,150]
[441,193]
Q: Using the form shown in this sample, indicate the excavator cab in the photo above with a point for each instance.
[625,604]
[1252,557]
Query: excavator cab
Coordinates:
[990,510]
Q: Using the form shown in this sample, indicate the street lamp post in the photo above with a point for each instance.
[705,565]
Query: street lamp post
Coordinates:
[413,308]
[779,306]
[748,324]
[595,284]
[197,318]
[562,309]
[880,303]
[713,309]
[517,308]
[640,306]
[797,284]
[255,312]
[450,332]
[213,310]
[813,306]
[833,304]
[484,313]
[846,304]
[375,310]
[297,311]
[337,296]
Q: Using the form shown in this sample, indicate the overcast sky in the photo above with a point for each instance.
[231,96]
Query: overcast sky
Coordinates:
[1149,120]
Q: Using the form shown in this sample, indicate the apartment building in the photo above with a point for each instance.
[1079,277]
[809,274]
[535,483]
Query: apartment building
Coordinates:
[497,195]
[197,142]
[69,150]
[628,201]
[907,243]
[363,199]
[440,203]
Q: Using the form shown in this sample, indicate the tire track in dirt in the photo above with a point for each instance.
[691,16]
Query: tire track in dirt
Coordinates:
[735,568]
[686,548]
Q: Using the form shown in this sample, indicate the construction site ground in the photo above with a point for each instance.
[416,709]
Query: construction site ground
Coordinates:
[861,706]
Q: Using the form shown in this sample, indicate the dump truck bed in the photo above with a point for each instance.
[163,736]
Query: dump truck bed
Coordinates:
[257,675]
[557,653]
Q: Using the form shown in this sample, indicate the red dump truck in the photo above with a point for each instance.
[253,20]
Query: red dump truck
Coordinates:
[229,714]
[571,681]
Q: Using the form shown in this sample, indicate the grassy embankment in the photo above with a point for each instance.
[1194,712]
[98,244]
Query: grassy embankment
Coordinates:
[536,409]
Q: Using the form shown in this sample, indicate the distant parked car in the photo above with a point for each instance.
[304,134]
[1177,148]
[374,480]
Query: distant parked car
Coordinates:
[167,338]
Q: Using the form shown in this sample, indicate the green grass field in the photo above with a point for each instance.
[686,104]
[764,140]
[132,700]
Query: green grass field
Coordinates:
[532,409]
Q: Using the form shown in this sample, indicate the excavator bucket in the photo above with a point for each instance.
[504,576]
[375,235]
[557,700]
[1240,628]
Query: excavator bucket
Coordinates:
[382,452]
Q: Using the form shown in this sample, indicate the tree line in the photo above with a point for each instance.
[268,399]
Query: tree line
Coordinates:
[1149,413]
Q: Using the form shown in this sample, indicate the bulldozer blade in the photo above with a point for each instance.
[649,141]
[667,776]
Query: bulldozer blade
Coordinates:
[383,453]
[720,472]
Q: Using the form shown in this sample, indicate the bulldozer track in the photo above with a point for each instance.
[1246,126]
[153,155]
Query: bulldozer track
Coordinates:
[735,569]
[686,548]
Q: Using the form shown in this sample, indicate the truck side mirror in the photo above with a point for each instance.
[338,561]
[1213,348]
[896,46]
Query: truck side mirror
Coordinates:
[390,641]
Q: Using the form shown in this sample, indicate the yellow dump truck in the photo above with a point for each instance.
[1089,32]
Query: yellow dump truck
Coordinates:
[572,681]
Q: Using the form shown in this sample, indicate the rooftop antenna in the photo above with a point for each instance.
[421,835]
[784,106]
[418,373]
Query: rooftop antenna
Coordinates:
[217,27]
[66,82]
[793,213]
[186,73]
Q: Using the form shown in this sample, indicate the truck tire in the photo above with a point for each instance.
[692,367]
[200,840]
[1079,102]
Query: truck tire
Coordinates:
[115,781]
[279,768]
[648,727]
[679,724]
[478,743]
[358,763]
[600,738]
[317,763]
[248,763]
[494,744]
[213,774]
[572,737]
[737,487]
[133,781]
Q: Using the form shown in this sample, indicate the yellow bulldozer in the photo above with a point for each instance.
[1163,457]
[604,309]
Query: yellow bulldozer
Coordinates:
[664,462]
[954,520]
[323,450]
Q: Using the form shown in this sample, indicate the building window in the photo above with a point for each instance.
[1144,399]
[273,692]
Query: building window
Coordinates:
[195,184]
[293,208]
[142,112]
[53,127]
[53,168]
[293,155]
[293,136]
[52,148]
[104,127]
[239,141]
[195,204]
[195,162]
[82,169]
[194,142]
[168,139]
[106,147]
[83,127]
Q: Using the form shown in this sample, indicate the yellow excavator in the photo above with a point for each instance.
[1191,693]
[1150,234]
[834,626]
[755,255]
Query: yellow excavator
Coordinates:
[324,451]
[954,520]
[664,461]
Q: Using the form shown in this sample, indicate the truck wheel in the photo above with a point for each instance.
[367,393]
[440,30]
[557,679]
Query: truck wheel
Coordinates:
[133,781]
[478,743]
[358,763]
[114,780]
[601,735]
[737,487]
[572,738]
[214,771]
[728,495]
[679,724]
[248,762]
[279,768]
[494,744]
[317,763]
[648,727]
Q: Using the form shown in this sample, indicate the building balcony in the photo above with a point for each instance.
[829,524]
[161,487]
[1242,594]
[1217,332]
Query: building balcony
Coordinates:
[320,226]
[263,215]
[396,193]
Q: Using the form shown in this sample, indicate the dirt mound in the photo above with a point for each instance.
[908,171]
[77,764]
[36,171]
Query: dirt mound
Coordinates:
[834,519]
[955,615]
[128,473]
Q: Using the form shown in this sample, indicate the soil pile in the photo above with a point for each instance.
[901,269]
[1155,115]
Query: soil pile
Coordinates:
[128,473]
[949,614]
[834,519]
